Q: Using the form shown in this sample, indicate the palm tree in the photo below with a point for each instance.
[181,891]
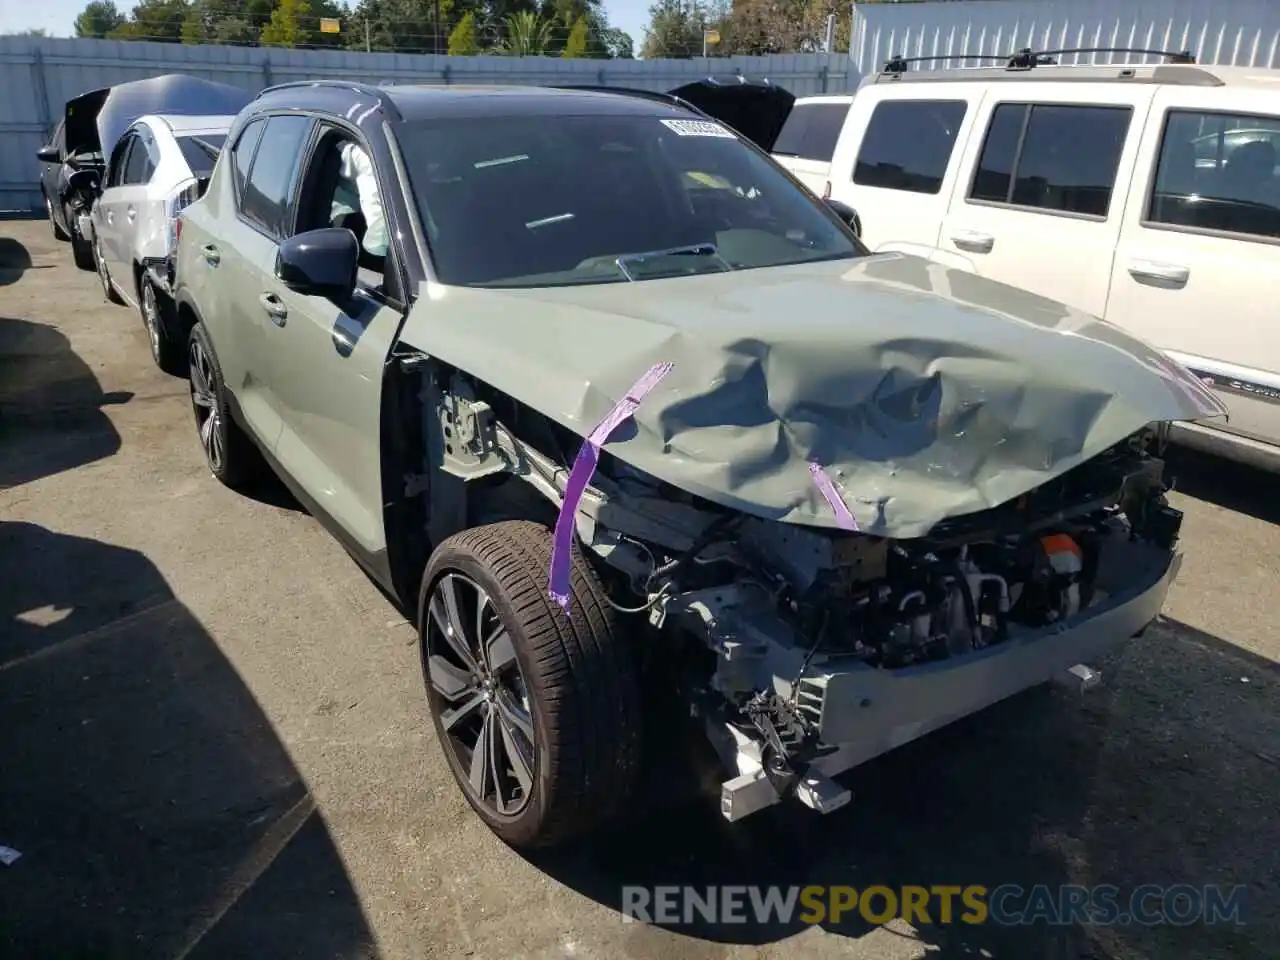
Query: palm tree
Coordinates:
[528,35]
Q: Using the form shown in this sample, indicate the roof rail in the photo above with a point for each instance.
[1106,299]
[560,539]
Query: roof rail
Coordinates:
[668,98]
[1026,58]
[355,86]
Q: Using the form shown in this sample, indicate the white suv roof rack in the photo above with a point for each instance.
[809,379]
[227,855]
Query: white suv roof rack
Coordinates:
[1027,64]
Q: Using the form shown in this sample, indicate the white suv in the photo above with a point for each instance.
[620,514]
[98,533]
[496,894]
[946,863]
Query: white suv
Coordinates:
[1148,195]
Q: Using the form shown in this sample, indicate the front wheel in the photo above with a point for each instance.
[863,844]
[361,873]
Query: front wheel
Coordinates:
[537,710]
[104,274]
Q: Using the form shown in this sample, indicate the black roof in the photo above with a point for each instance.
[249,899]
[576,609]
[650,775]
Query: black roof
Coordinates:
[427,102]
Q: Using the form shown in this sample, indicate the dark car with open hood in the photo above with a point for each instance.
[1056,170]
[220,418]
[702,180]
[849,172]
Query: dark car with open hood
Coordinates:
[628,421]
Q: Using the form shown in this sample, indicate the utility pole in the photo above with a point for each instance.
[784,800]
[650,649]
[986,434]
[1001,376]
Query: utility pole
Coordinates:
[829,41]
[367,46]
[437,25]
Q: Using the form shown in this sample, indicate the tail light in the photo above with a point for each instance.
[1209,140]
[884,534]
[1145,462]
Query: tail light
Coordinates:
[181,198]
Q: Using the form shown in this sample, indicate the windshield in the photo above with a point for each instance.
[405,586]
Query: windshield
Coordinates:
[201,151]
[535,201]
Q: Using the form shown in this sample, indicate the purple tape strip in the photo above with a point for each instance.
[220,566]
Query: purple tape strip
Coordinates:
[583,469]
[844,518]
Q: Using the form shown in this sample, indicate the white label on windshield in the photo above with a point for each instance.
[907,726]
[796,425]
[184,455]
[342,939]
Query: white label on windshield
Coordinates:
[698,128]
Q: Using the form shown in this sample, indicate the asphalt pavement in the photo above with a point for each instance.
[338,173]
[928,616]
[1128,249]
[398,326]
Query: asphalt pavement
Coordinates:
[214,743]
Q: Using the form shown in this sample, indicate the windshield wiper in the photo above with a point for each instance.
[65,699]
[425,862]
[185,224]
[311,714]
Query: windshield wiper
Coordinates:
[692,250]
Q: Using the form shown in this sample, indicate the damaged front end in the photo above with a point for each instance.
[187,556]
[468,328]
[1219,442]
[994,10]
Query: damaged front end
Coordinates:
[808,650]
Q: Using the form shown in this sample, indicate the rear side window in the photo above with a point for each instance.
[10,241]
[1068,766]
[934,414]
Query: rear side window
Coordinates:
[201,152]
[139,167]
[242,153]
[811,131]
[1050,156]
[1218,171]
[908,144]
[275,166]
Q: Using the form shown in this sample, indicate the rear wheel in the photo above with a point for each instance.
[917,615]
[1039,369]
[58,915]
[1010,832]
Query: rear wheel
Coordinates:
[167,352]
[537,710]
[81,249]
[58,232]
[228,450]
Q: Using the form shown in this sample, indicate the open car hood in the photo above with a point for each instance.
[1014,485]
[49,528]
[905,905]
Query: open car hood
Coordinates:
[925,393]
[756,109]
[96,120]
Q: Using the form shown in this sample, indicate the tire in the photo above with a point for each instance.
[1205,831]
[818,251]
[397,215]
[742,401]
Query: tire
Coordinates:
[58,232]
[573,678]
[81,249]
[167,352]
[228,450]
[104,274]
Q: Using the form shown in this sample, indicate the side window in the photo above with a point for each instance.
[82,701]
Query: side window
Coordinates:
[1051,156]
[138,167]
[242,153]
[268,192]
[811,131]
[119,159]
[1218,171]
[908,144]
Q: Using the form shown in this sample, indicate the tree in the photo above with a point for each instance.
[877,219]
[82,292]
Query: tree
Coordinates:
[462,42]
[528,35]
[289,26]
[159,20]
[576,43]
[674,32]
[98,19]
[616,44]
[33,32]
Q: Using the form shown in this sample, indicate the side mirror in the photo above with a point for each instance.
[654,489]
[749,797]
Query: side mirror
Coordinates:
[320,263]
[847,214]
[49,154]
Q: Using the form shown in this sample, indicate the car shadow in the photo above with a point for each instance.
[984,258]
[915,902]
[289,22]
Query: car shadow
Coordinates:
[15,260]
[1165,775]
[51,416]
[1233,486]
[155,810]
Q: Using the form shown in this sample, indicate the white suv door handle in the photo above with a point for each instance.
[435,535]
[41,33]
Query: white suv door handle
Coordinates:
[973,241]
[1151,270]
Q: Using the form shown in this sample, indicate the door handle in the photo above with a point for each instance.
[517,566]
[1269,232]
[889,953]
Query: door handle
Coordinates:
[276,310]
[973,242]
[211,254]
[131,213]
[1161,274]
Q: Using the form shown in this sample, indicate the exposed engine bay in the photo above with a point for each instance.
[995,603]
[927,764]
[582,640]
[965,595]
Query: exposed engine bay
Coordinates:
[808,650]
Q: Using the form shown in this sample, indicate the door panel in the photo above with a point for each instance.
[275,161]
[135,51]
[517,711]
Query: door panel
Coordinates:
[326,368]
[1043,192]
[1197,270]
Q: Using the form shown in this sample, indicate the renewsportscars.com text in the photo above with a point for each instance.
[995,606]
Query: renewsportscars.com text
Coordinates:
[1005,905]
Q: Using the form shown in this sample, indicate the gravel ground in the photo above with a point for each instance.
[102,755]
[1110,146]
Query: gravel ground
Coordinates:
[214,741]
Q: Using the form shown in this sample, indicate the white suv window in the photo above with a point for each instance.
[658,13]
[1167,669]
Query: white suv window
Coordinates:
[1051,156]
[1218,171]
[811,131]
[908,144]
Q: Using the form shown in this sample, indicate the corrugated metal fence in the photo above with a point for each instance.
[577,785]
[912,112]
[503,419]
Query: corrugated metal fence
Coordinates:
[1228,32]
[37,76]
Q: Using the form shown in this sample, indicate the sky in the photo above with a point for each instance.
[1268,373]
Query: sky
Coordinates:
[57,16]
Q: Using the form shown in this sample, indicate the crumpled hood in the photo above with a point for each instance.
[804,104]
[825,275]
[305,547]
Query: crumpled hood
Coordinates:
[924,392]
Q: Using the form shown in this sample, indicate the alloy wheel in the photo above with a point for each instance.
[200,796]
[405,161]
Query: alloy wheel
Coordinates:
[151,317]
[208,410]
[103,274]
[480,694]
